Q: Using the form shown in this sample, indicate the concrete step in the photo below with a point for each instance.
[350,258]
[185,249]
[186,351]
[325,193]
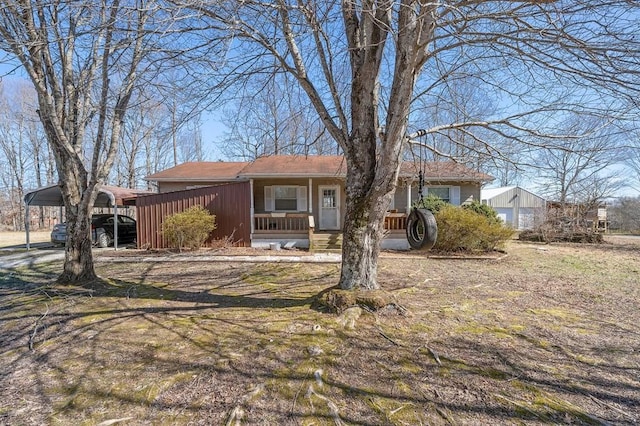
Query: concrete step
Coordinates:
[331,242]
[324,250]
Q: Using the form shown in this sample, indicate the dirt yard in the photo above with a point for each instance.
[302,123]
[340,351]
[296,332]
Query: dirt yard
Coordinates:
[541,335]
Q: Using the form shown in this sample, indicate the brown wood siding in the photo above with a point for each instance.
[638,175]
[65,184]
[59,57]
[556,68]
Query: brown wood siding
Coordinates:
[229,202]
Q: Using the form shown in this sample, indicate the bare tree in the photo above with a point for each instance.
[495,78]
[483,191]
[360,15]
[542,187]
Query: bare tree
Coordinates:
[13,149]
[271,118]
[138,129]
[580,169]
[462,99]
[537,58]
[27,163]
[189,141]
[71,51]
[624,214]
[85,59]
[632,156]
[153,141]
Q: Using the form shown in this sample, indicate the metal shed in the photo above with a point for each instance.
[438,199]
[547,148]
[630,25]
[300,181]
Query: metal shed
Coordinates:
[518,207]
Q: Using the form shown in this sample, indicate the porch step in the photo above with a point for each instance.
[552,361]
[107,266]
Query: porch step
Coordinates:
[327,242]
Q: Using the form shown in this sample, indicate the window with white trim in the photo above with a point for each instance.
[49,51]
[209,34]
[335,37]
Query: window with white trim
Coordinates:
[441,192]
[285,198]
[450,194]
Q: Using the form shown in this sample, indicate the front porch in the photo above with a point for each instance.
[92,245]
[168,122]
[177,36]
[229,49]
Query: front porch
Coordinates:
[298,230]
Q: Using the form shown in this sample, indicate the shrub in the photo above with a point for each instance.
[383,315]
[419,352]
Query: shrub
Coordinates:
[485,210]
[431,202]
[190,229]
[461,229]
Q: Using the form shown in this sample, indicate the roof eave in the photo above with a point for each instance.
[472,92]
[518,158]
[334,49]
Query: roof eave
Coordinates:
[448,179]
[293,176]
[190,179]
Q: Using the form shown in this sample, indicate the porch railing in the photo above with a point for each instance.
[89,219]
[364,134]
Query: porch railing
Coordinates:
[281,222]
[299,222]
[395,222]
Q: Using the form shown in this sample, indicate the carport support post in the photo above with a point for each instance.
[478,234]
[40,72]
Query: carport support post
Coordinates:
[115,227]
[26,224]
[114,204]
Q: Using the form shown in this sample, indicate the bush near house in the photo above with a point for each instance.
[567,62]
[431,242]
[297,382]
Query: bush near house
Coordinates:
[464,229]
[483,209]
[189,229]
[431,202]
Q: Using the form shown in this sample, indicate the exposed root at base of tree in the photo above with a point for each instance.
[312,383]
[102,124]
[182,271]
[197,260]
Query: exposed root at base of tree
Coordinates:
[337,300]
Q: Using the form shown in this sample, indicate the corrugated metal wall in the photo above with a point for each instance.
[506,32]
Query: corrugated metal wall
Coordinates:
[523,197]
[230,203]
[519,208]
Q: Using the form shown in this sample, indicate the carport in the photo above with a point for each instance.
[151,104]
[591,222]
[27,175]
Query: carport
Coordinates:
[109,197]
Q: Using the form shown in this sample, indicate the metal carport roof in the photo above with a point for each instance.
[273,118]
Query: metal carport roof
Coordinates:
[109,196]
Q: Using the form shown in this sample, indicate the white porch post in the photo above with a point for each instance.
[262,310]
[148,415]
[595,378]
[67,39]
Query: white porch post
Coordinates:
[310,197]
[252,208]
[409,184]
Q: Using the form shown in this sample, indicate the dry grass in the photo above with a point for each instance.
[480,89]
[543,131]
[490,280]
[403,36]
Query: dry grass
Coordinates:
[8,239]
[548,334]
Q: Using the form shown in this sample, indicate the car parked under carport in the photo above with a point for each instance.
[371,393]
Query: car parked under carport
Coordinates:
[102,230]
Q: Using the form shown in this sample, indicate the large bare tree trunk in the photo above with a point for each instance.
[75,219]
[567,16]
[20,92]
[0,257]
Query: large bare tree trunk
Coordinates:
[78,265]
[79,197]
[372,156]
[362,233]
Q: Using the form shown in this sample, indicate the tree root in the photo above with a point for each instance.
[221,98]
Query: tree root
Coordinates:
[337,300]
[237,414]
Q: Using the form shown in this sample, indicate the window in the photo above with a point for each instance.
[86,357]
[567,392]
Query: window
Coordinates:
[283,198]
[440,192]
[450,194]
[126,220]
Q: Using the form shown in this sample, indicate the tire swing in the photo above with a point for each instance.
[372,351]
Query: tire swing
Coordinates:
[422,229]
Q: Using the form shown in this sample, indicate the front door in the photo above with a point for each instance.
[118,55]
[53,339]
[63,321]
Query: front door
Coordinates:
[329,203]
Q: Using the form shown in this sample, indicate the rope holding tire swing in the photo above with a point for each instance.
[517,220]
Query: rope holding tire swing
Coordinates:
[422,229]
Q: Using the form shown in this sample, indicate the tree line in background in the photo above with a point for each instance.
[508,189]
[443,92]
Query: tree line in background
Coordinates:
[156,136]
[275,120]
